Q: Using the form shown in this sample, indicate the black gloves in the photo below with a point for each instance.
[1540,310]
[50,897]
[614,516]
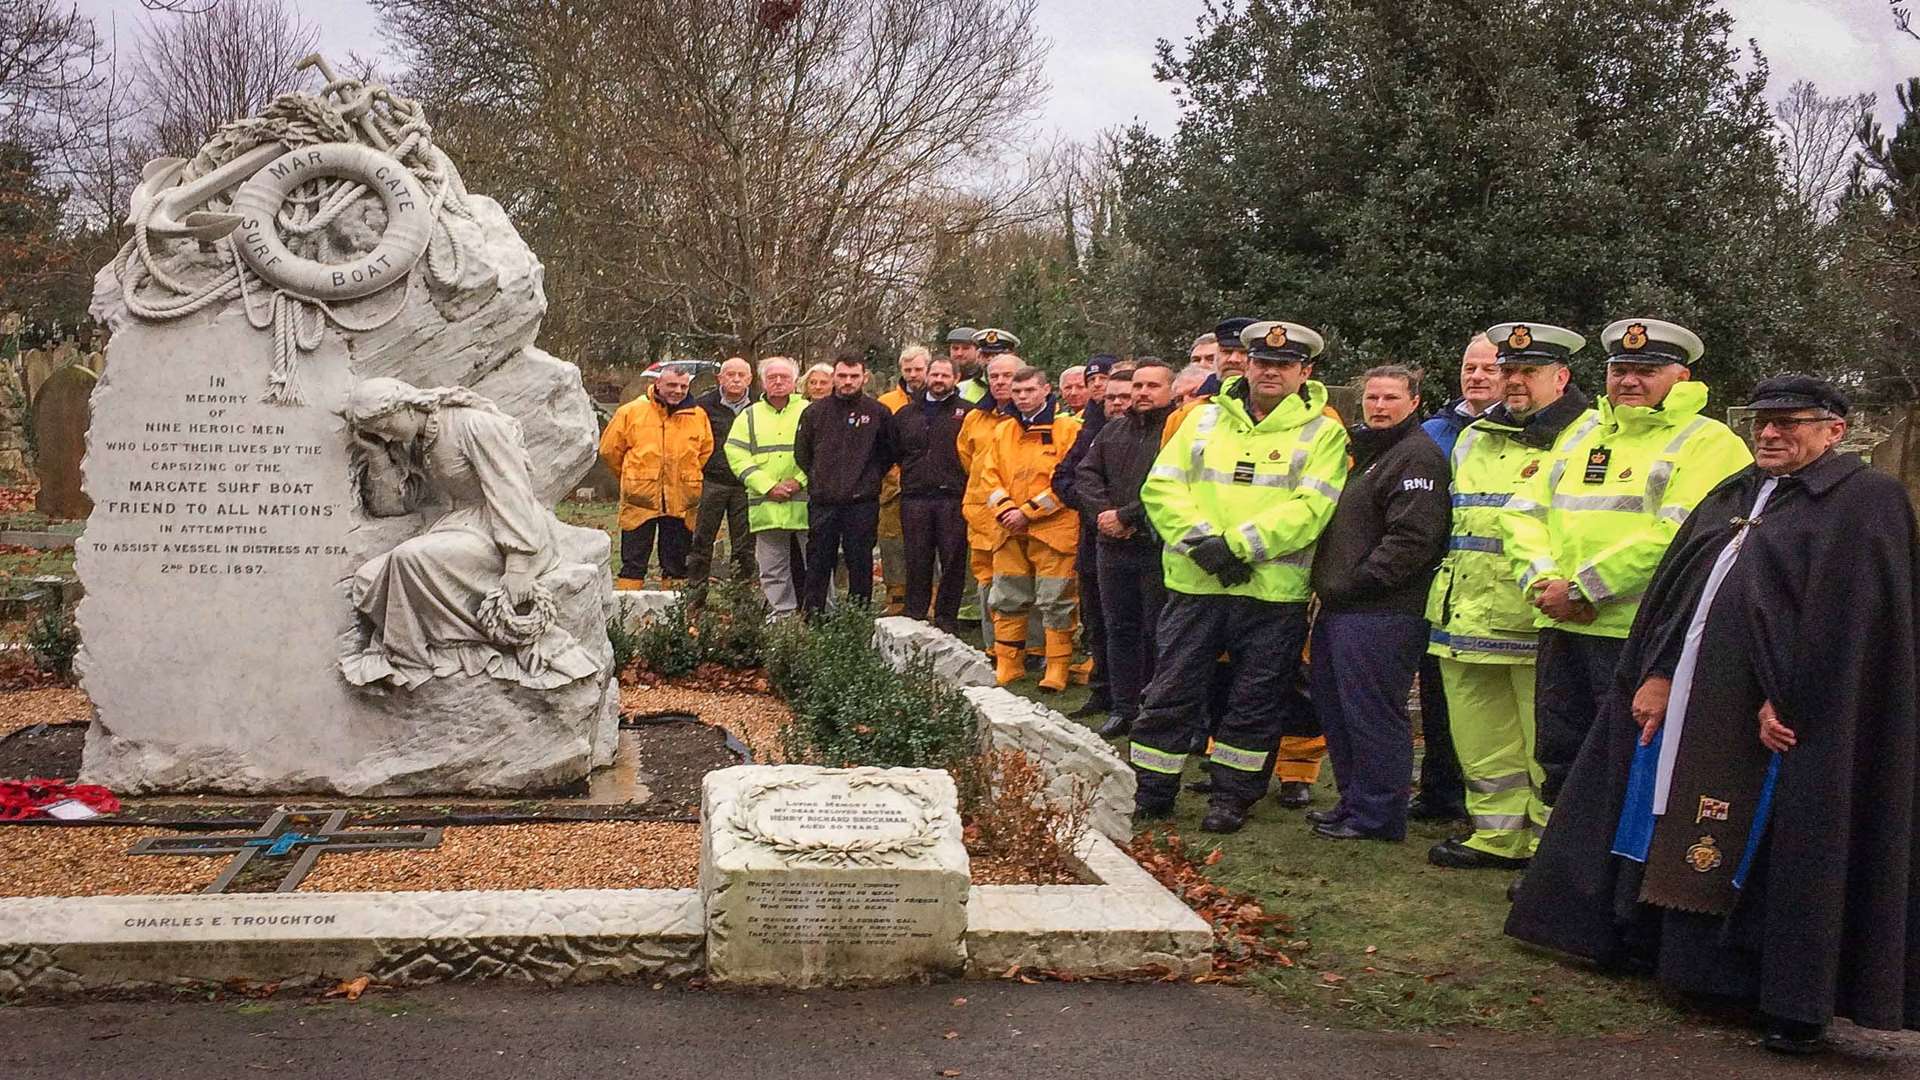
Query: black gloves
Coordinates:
[1216,558]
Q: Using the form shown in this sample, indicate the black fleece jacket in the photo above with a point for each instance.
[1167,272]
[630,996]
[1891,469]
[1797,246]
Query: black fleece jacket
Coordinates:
[1389,530]
[716,471]
[928,433]
[1115,468]
[845,446]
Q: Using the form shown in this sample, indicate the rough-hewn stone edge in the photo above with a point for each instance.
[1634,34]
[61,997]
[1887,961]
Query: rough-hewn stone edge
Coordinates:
[1070,750]
[896,638]
[58,945]
[1125,923]
[636,606]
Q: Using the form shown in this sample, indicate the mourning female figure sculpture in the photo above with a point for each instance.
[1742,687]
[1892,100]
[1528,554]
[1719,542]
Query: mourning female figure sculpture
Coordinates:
[474,593]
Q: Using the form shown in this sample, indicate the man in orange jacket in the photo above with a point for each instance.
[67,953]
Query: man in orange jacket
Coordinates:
[656,444]
[976,433]
[1033,559]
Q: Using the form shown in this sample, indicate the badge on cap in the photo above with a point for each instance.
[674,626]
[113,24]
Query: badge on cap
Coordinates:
[1277,337]
[1635,338]
[1520,338]
[993,337]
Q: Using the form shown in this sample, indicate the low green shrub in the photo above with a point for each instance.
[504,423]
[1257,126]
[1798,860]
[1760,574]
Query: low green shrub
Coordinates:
[626,643]
[729,629]
[54,639]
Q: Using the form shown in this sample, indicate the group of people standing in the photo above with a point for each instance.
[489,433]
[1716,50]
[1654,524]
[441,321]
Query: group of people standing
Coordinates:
[1261,582]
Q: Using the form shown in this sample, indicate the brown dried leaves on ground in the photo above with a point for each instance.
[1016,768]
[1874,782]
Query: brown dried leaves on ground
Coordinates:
[70,860]
[1245,935]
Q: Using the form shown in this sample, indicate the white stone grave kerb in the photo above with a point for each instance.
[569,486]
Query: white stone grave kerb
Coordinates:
[832,877]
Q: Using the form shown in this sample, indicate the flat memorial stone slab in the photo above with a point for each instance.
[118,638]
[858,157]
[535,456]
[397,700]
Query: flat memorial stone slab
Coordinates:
[832,877]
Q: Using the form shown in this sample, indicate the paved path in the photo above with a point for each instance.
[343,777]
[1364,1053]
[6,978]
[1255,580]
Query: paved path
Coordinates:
[1003,1030]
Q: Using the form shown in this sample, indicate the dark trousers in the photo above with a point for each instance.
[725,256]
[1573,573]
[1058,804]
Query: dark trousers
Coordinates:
[1363,668]
[1262,640]
[1093,620]
[1573,678]
[636,547]
[835,532]
[933,531]
[721,504]
[1441,785]
[1130,598]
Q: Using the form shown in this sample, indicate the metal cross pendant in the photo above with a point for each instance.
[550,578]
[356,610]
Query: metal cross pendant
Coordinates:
[280,837]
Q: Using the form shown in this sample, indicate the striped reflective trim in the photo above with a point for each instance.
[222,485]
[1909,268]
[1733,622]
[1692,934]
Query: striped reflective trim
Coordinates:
[1488,544]
[774,448]
[1146,757]
[1554,474]
[749,471]
[1255,545]
[1234,757]
[1313,428]
[1314,483]
[1631,504]
[1593,585]
[1489,498]
[1303,557]
[1045,502]
[1529,507]
[1194,536]
[797,497]
[1467,439]
[1167,472]
[1203,426]
[996,495]
[1686,433]
[1657,479]
[1270,480]
[1469,643]
[1585,429]
[1491,784]
[1535,570]
[1499,822]
[1675,514]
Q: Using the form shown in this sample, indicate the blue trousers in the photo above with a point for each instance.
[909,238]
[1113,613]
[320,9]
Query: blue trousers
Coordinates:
[1362,672]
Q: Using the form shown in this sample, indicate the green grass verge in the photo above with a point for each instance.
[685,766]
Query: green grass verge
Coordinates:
[1390,942]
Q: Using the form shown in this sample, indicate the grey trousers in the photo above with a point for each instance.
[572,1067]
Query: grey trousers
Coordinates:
[779,553]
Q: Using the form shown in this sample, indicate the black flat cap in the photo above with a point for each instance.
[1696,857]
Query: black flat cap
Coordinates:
[1798,392]
[1227,333]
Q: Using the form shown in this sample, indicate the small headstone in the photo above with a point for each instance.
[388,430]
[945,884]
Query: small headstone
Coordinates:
[60,415]
[832,877]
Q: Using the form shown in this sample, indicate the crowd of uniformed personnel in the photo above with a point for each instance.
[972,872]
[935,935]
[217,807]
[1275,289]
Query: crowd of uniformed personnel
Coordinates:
[1254,577]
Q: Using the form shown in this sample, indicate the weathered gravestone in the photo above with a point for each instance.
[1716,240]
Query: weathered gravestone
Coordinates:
[245,628]
[832,877]
[60,413]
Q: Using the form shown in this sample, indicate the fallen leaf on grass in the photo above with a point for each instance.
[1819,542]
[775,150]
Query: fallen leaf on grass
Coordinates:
[1332,978]
[1214,856]
[951,1035]
[949,1072]
[1008,974]
[351,989]
[959,1001]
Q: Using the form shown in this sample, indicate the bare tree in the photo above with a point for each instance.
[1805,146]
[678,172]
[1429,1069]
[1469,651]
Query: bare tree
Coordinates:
[730,171]
[50,58]
[1817,136]
[202,68]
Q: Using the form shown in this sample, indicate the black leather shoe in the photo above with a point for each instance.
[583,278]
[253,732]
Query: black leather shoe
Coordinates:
[1454,855]
[1223,819]
[1341,830]
[1421,810]
[1325,817]
[1152,813]
[1513,888]
[1294,794]
[1115,727]
[1794,1037]
[1201,787]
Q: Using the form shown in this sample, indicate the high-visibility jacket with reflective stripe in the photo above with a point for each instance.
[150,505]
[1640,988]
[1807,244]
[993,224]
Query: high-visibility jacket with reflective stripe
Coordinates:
[1476,613]
[972,389]
[1267,488]
[760,451]
[976,435]
[1018,474]
[1603,511]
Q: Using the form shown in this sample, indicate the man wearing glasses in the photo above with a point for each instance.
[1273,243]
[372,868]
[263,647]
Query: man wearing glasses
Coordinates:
[1583,537]
[1741,824]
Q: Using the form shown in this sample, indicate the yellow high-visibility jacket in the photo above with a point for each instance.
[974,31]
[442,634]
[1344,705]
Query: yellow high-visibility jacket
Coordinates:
[760,452]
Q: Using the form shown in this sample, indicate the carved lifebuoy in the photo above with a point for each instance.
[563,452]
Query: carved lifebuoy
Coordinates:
[409,222]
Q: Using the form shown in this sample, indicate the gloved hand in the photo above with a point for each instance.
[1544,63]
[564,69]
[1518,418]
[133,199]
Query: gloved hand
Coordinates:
[1216,558]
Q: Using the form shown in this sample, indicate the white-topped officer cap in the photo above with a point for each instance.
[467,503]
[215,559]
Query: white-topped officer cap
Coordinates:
[1534,343]
[1272,339]
[1651,341]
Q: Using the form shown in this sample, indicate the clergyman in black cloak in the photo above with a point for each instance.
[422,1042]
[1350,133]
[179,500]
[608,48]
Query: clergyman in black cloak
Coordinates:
[1781,872]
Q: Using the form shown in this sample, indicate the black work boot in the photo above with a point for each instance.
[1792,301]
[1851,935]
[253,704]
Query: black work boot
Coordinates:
[1115,727]
[1225,817]
[1152,812]
[1794,1037]
[1294,794]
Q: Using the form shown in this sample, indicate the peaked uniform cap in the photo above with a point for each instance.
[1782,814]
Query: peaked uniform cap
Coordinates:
[1651,341]
[1534,343]
[1227,333]
[961,335]
[995,340]
[1275,340]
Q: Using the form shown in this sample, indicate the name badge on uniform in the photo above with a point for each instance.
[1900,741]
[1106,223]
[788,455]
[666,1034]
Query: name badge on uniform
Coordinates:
[1243,472]
[1597,460]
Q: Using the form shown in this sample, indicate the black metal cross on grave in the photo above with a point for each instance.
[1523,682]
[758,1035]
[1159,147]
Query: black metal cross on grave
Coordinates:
[282,836]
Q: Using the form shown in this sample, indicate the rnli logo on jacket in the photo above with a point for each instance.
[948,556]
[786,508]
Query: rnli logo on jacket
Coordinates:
[1712,809]
[859,421]
[1273,455]
[1704,856]
[1417,483]
[1626,473]
[1520,337]
[1532,467]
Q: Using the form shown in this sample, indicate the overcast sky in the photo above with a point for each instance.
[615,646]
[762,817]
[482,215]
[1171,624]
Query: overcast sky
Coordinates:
[1101,62]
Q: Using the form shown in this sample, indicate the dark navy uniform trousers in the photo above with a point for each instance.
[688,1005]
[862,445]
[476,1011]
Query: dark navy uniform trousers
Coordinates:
[1362,672]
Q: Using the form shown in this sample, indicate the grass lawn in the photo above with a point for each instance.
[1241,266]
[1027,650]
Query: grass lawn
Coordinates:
[606,517]
[1383,940]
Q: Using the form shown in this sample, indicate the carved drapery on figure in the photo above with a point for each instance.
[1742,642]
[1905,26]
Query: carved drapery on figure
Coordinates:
[474,593]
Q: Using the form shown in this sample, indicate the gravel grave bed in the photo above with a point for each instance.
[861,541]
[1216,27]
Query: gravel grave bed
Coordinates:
[52,752]
[754,719]
[92,860]
[52,704]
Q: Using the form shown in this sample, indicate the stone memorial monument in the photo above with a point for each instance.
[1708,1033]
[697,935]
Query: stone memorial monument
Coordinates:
[322,556]
[842,877]
[60,412]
